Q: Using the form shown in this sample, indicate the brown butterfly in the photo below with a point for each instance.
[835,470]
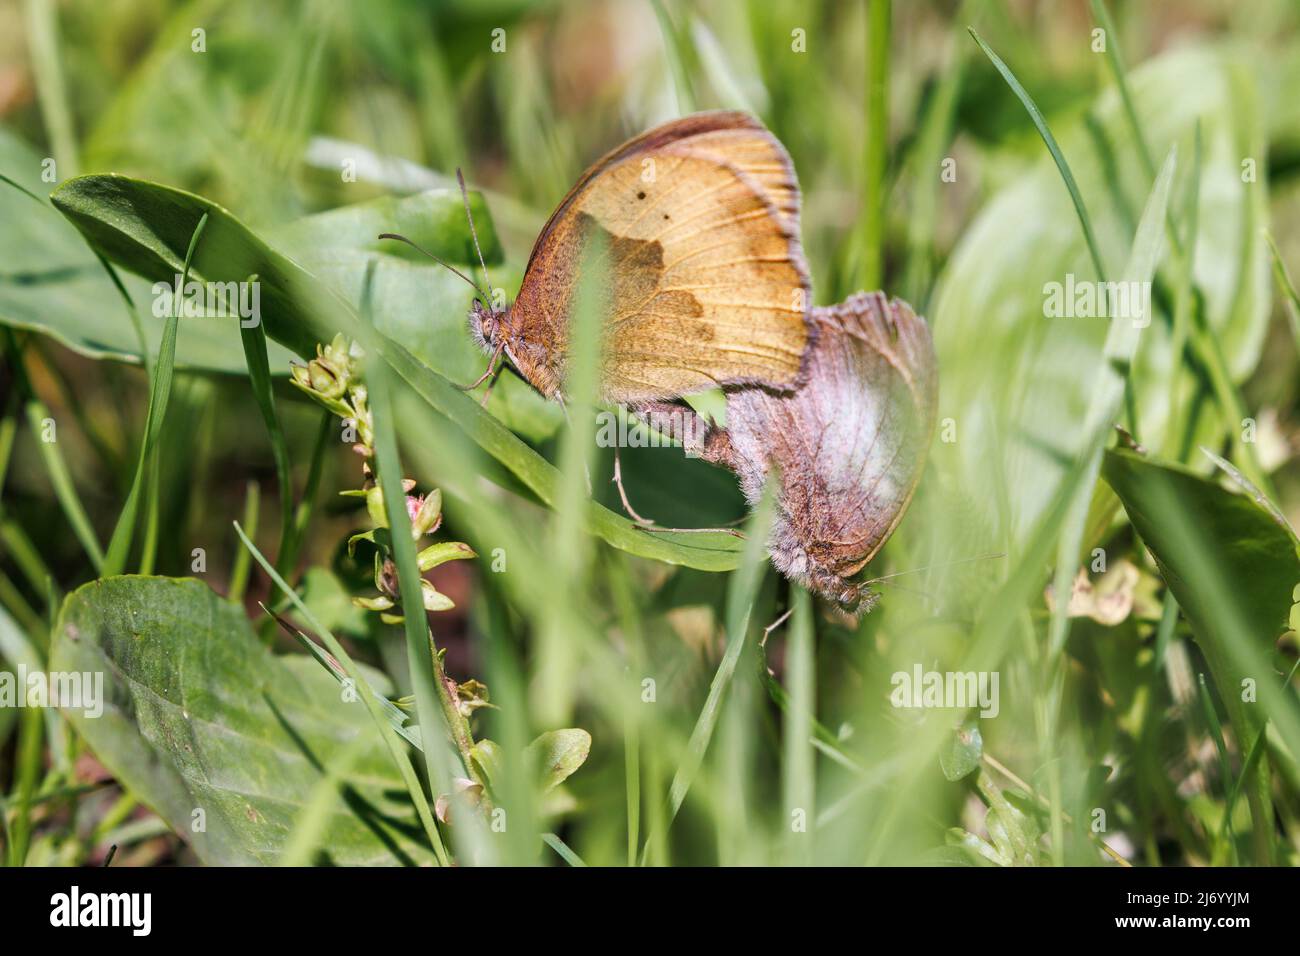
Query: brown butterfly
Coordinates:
[707,284]
[848,446]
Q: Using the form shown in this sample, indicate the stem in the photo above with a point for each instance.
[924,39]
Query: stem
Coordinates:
[457,722]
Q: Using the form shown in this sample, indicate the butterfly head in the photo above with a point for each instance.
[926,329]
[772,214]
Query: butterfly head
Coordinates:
[487,325]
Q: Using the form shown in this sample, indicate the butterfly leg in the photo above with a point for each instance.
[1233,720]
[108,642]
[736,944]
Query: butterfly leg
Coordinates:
[699,438]
[767,631]
[622,492]
[487,392]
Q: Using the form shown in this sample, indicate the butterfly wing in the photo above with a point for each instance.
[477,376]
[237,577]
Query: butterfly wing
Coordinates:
[706,284]
[849,446]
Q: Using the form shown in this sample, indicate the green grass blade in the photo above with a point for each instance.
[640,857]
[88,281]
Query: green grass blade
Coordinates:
[1215,730]
[1185,300]
[1115,57]
[1289,293]
[1040,123]
[25,553]
[18,648]
[152,516]
[678,52]
[875,159]
[1247,768]
[61,481]
[259,377]
[1214,727]
[798,767]
[45,434]
[934,137]
[145,358]
[561,624]
[560,847]
[741,592]
[119,547]
[307,504]
[630,617]
[43,40]
[11,598]
[1112,381]
[437,715]
[239,569]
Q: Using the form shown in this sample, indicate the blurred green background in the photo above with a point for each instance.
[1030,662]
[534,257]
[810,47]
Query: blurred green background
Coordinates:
[320,124]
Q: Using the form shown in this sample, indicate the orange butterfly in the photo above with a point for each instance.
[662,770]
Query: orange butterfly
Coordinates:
[707,282]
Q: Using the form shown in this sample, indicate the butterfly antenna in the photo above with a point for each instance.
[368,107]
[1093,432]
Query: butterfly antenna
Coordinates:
[929,567]
[446,265]
[464,195]
[902,587]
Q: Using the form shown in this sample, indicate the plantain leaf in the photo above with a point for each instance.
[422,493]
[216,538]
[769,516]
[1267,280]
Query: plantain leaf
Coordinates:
[52,283]
[146,228]
[1233,568]
[199,715]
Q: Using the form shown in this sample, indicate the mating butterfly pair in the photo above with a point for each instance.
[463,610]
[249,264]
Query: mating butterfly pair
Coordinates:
[705,285]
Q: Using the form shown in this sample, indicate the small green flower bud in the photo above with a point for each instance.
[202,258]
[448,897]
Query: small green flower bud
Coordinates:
[375,506]
[326,380]
[444,551]
[435,600]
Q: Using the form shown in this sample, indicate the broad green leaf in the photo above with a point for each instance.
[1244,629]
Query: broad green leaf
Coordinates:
[199,715]
[1021,428]
[433,220]
[556,754]
[146,227]
[1233,569]
[51,283]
